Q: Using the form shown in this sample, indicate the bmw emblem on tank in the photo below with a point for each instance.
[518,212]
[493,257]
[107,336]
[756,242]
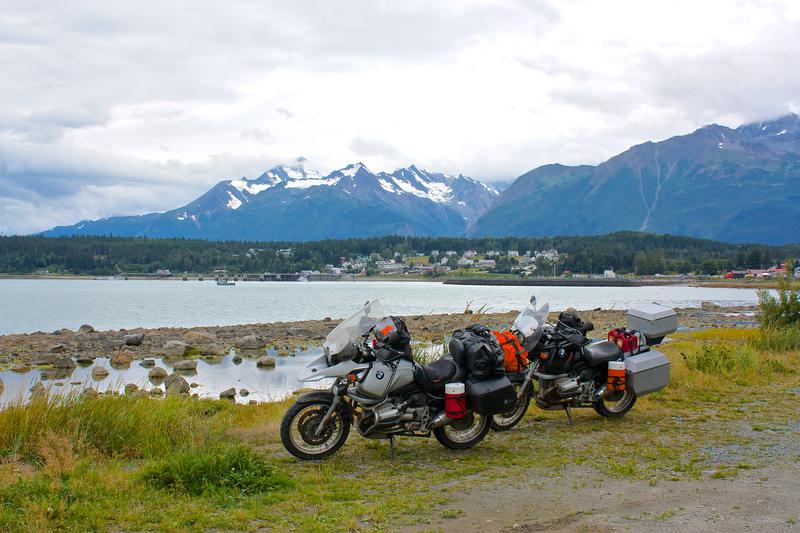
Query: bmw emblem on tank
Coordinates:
[379,374]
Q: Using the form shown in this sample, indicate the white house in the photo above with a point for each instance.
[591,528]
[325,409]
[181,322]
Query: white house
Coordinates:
[486,263]
[513,253]
[609,274]
[464,262]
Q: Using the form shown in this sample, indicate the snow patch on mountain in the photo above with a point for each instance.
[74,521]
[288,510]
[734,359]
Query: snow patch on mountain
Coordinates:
[233,203]
[308,182]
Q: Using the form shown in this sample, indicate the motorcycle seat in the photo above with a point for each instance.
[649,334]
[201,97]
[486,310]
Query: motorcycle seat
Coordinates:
[601,352]
[433,377]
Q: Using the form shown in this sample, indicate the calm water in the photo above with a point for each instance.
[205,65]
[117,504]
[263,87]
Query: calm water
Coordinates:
[46,305]
[264,384]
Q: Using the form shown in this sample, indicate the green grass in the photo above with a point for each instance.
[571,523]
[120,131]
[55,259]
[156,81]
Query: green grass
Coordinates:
[223,470]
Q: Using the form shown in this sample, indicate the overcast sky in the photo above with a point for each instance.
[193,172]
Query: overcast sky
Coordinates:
[110,108]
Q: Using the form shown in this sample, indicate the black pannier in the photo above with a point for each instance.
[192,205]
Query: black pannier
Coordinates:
[482,354]
[491,396]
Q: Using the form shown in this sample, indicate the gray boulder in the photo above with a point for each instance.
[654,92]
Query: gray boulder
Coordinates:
[99,373]
[266,362]
[90,392]
[86,328]
[38,390]
[147,363]
[134,339]
[175,384]
[244,392]
[63,362]
[157,373]
[156,391]
[212,349]
[84,360]
[175,349]
[131,388]
[228,393]
[250,342]
[186,364]
[122,358]
[58,348]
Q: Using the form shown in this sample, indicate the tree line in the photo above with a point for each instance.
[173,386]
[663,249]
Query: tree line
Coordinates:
[636,252]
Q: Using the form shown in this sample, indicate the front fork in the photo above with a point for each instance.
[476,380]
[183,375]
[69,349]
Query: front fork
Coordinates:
[528,380]
[338,398]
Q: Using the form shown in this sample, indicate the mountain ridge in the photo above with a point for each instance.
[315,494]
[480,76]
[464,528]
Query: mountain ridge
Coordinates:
[298,203]
[730,184]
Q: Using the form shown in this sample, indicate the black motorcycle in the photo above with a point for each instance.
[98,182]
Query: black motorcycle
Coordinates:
[566,369]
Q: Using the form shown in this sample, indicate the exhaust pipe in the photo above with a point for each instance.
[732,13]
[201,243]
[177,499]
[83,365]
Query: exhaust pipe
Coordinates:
[603,392]
[440,420]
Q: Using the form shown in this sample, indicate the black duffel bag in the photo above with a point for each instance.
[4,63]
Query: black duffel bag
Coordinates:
[482,354]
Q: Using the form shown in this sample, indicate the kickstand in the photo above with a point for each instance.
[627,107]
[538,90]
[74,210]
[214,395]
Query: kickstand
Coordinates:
[568,410]
[391,447]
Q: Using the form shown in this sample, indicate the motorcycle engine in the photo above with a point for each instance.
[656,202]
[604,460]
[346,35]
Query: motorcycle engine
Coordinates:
[566,387]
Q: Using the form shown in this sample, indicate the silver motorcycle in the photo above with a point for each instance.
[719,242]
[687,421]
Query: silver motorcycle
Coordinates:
[378,388]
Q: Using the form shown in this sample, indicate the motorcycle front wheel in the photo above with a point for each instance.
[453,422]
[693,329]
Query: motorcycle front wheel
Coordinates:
[464,433]
[512,417]
[615,406]
[299,426]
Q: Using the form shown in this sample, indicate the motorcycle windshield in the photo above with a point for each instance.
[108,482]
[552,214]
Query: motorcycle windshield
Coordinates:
[352,328]
[530,322]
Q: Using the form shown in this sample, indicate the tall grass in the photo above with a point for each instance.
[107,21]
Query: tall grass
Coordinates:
[779,316]
[111,426]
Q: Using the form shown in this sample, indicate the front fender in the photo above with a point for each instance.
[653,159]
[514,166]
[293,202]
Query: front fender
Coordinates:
[325,396]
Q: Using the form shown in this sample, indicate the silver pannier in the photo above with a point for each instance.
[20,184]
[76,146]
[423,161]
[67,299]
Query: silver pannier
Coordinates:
[653,320]
[647,372]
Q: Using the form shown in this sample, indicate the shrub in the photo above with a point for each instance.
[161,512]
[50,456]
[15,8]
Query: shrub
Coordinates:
[211,471]
[782,310]
[722,359]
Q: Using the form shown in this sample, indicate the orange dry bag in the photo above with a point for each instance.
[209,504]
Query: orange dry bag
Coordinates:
[515,358]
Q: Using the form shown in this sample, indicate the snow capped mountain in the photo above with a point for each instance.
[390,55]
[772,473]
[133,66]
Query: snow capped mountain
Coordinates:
[296,202]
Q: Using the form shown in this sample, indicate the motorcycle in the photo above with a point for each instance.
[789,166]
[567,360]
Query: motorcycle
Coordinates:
[568,370]
[380,389]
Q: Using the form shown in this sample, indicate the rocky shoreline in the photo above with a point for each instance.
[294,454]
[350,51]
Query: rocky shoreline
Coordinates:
[20,352]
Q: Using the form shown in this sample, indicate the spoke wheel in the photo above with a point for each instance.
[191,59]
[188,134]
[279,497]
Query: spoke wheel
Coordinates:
[464,433]
[512,417]
[299,428]
[615,406]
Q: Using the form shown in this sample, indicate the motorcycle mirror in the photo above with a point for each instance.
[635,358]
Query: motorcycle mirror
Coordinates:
[533,301]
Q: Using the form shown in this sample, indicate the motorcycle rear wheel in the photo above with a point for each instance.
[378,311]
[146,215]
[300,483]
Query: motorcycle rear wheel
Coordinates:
[616,408]
[299,425]
[465,433]
[512,417]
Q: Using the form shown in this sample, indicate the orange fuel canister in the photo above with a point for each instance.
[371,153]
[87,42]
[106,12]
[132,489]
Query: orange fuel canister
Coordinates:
[616,375]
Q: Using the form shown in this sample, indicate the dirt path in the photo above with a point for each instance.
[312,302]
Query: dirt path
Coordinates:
[762,499]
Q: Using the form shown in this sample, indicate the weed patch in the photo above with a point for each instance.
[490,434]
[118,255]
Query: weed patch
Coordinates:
[214,471]
[722,359]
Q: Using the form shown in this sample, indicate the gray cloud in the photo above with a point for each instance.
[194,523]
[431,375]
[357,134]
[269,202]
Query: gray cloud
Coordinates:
[134,106]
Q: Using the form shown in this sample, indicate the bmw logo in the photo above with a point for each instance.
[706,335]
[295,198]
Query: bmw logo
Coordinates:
[379,374]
